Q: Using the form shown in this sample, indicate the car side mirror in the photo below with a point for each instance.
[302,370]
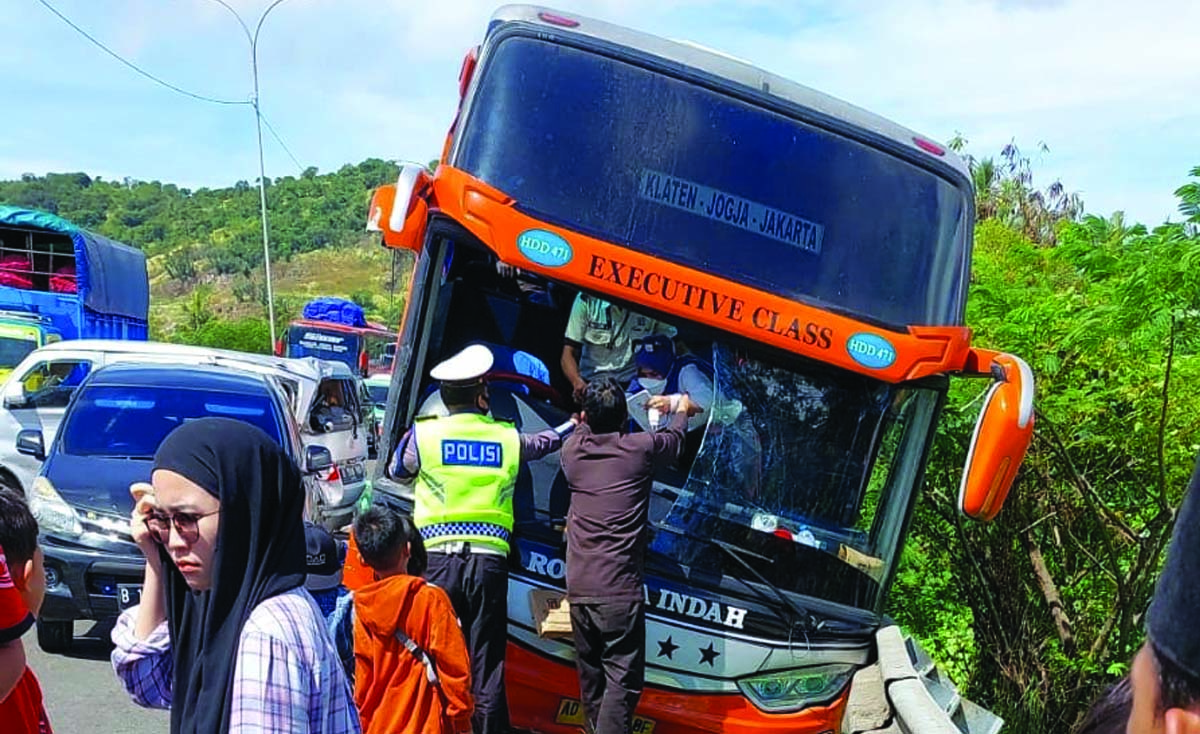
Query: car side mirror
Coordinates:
[31,443]
[316,458]
[1002,436]
[14,395]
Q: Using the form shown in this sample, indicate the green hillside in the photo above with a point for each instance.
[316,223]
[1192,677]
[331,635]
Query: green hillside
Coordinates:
[205,246]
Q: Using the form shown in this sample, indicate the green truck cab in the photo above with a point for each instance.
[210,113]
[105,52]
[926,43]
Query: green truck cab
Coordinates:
[20,334]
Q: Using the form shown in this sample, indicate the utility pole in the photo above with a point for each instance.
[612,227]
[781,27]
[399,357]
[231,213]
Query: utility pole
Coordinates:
[262,174]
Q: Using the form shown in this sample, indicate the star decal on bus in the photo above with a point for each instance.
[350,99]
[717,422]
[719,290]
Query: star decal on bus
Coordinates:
[708,654]
[667,648]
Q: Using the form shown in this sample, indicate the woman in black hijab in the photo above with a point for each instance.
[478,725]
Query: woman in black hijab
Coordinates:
[225,635]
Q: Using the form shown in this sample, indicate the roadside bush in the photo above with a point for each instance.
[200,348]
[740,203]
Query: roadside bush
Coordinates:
[243,335]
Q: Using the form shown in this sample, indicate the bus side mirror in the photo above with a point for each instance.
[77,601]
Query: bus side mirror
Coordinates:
[1002,436]
[398,210]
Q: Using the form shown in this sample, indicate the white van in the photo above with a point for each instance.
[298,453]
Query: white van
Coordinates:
[324,397]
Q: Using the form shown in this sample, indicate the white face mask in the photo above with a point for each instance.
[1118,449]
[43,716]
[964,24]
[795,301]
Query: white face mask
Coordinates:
[653,385]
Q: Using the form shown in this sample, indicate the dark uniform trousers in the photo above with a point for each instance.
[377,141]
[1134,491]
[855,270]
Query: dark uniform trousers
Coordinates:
[477,584]
[610,655]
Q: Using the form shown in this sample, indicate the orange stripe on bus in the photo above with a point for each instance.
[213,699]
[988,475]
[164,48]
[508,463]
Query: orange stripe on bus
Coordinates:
[690,294]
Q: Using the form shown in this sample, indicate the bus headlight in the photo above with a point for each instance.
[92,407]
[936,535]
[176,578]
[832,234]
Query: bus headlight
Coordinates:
[53,514]
[786,691]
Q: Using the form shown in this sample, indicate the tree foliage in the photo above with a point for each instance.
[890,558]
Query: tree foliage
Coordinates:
[1005,190]
[243,335]
[211,230]
[1053,593]
[1189,199]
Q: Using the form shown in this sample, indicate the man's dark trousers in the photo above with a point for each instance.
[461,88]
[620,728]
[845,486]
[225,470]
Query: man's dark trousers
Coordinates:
[610,654]
[478,587]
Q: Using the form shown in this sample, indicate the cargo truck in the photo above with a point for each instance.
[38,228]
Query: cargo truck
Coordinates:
[59,281]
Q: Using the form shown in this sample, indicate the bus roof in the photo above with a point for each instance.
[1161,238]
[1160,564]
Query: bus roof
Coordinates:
[735,70]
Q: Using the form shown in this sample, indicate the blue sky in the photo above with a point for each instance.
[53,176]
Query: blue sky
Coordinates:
[1110,86]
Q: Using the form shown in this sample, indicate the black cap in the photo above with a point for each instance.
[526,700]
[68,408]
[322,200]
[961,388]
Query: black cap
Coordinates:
[1171,622]
[324,563]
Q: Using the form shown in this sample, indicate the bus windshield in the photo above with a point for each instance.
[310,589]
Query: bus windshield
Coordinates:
[811,469]
[619,151]
[314,341]
[359,349]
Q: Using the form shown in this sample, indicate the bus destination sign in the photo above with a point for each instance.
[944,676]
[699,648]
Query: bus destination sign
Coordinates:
[751,216]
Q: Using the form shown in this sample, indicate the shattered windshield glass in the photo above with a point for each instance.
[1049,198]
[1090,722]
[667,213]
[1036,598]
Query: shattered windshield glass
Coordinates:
[813,472]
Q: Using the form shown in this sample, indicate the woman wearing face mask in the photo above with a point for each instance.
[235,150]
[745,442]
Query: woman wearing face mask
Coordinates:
[225,635]
[660,372]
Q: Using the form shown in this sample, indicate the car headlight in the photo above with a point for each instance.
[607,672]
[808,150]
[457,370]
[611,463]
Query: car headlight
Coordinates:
[797,689]
[53,514]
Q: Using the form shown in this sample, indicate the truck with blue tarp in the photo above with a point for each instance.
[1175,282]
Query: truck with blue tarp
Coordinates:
[59,281]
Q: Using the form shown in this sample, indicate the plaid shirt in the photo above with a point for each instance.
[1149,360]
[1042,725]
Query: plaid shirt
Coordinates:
[287,679]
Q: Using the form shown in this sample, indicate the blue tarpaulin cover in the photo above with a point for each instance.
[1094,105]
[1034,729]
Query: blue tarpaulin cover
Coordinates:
[112,277]
[335,310]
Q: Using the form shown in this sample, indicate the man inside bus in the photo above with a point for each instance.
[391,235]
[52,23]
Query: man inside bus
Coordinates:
[464,469]
[1165,674]
[599,341]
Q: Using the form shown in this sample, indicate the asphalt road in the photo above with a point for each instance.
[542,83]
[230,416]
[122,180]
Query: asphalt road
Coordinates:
[82,693]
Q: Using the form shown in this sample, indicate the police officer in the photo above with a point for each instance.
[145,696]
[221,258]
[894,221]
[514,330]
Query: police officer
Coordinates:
[465,468]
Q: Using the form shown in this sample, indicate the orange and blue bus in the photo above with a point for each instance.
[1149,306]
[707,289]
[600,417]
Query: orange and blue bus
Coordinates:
[816,255]
[337,329]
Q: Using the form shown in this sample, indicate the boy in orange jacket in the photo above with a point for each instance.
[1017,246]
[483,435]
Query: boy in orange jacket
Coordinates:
[411,671]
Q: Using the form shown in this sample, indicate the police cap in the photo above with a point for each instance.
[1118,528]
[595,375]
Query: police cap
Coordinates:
[464,368]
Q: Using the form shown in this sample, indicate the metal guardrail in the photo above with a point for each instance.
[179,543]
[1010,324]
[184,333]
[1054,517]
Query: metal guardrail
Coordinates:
[905,693]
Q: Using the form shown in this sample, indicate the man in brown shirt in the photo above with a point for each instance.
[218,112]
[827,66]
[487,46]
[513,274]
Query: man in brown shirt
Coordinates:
[609,473]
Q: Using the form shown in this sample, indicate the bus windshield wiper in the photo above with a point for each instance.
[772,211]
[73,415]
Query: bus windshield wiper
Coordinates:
[799,615]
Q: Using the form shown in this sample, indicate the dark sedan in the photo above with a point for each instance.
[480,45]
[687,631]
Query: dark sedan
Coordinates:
[107,440]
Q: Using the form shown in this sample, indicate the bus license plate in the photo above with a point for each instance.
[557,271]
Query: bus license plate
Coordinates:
[570,712]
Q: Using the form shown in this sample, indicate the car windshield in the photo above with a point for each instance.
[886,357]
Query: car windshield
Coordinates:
[131,421]
[14,349]
[378,394]
[812,472]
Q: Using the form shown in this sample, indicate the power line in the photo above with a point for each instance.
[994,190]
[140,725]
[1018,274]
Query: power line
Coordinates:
[279,140]
[135,67]
[168,85]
